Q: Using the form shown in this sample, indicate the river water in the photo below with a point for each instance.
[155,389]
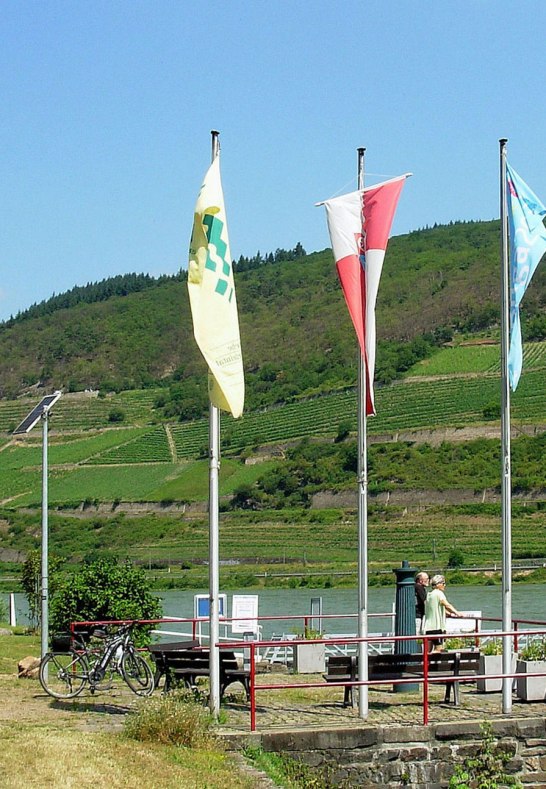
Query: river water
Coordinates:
[528,602]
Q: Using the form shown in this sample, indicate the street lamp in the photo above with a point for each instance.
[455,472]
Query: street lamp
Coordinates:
[41,411]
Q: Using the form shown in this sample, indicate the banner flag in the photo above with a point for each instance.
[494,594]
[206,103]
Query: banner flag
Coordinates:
[527,246]
[359,224]
[212,296]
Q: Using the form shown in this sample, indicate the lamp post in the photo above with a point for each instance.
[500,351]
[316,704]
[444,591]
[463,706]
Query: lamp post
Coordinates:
[41,411]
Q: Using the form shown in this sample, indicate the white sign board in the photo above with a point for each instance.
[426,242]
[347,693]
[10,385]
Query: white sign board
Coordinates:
[244,612]
[455,625]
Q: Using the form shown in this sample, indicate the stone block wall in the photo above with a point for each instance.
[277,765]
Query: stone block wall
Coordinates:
[419,757]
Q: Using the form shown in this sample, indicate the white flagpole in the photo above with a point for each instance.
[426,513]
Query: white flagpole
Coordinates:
[505,444]
[362,513]
[214,554]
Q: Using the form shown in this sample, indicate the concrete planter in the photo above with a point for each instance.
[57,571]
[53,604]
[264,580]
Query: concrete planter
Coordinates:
[491,664]
[531,688]
[309,658]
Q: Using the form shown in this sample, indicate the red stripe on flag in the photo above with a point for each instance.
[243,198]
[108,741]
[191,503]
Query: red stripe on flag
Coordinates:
[353,283]
[381,202]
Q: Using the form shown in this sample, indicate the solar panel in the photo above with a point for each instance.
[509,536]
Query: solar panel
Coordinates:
[43,407]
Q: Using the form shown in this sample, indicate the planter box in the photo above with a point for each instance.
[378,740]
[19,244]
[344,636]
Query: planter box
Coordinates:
[492,664]
[531,688]
[309,658]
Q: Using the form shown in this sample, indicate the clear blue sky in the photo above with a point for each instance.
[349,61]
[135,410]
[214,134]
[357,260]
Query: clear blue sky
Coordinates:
[107,107]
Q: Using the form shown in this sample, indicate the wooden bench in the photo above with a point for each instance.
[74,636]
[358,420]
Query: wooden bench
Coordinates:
[159,652]
[182,664]
[344,668]
[456,663]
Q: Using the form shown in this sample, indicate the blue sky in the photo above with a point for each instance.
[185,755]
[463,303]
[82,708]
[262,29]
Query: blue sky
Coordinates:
[107,109]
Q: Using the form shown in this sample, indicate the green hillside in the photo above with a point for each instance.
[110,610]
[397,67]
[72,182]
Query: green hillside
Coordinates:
[142,460]
[295,330]
[128,473]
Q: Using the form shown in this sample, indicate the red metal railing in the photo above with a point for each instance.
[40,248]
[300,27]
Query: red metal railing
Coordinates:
[426,680]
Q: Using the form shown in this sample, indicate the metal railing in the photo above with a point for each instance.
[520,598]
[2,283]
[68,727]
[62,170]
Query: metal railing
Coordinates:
[343,644]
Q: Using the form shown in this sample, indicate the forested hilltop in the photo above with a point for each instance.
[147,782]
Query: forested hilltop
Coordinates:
[135,331]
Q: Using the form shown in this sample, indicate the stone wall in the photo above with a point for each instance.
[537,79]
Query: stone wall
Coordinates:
[419,757]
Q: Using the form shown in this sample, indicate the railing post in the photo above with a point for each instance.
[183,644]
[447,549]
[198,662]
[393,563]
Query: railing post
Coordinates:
[425,681]
[515,628]
[252,687]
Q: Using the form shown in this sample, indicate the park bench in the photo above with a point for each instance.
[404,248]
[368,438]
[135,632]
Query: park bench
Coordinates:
[185,662]
[344,668]
[159,652]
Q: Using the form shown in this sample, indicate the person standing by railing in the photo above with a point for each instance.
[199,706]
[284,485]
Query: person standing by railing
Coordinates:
[421,584]
[436,608]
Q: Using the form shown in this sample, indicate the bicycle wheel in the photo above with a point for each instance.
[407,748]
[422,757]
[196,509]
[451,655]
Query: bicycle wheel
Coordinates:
[137,673]
[63,674]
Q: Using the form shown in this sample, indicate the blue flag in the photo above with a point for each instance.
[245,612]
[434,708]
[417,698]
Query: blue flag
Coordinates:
[527,246]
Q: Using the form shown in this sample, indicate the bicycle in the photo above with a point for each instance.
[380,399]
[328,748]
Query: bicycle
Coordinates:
[64,673]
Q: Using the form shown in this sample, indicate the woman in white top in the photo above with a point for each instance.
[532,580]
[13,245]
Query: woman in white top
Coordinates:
[436,608]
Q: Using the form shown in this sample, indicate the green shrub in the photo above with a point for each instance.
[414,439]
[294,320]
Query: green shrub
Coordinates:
[456,558]
[116,415]
[487,768]
[172,719]
[103,590]
[492,411]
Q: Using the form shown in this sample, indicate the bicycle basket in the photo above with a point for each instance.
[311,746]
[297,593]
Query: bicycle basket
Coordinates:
[61,642]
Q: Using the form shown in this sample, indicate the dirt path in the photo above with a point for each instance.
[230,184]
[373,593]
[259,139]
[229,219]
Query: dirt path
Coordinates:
[24,701]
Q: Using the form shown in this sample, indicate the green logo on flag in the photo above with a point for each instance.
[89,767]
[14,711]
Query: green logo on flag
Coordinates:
[214,227]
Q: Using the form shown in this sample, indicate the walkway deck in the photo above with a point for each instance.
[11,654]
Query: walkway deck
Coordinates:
[323,707]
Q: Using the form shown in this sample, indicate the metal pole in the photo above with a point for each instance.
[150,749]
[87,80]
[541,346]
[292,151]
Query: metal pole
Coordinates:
[45,539]
[362,514]
[505,443]
[214,554]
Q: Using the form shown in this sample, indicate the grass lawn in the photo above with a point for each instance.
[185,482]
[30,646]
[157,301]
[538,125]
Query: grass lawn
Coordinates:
[80,743]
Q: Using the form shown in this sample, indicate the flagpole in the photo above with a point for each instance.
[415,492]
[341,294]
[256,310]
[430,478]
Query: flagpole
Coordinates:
[214,553]
[362,513]
[505,443]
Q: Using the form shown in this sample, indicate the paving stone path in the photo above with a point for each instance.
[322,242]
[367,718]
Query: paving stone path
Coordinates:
[323,708]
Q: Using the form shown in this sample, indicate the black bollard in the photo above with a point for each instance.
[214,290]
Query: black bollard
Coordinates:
[404,617]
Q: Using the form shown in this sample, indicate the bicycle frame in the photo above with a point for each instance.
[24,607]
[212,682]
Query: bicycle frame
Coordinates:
[120,639]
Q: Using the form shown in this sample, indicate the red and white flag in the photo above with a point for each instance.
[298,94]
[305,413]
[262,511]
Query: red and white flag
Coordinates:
[359,224]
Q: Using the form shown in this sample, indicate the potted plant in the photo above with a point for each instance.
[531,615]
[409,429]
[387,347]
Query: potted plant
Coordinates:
[532,659]
[457,644]
[491,663]
[309,658]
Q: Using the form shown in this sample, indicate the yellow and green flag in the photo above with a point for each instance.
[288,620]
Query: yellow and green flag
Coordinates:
[212,296]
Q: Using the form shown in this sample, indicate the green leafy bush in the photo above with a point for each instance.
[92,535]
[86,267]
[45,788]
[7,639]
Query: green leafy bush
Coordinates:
[456,558]
[116,415]
[103,590]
